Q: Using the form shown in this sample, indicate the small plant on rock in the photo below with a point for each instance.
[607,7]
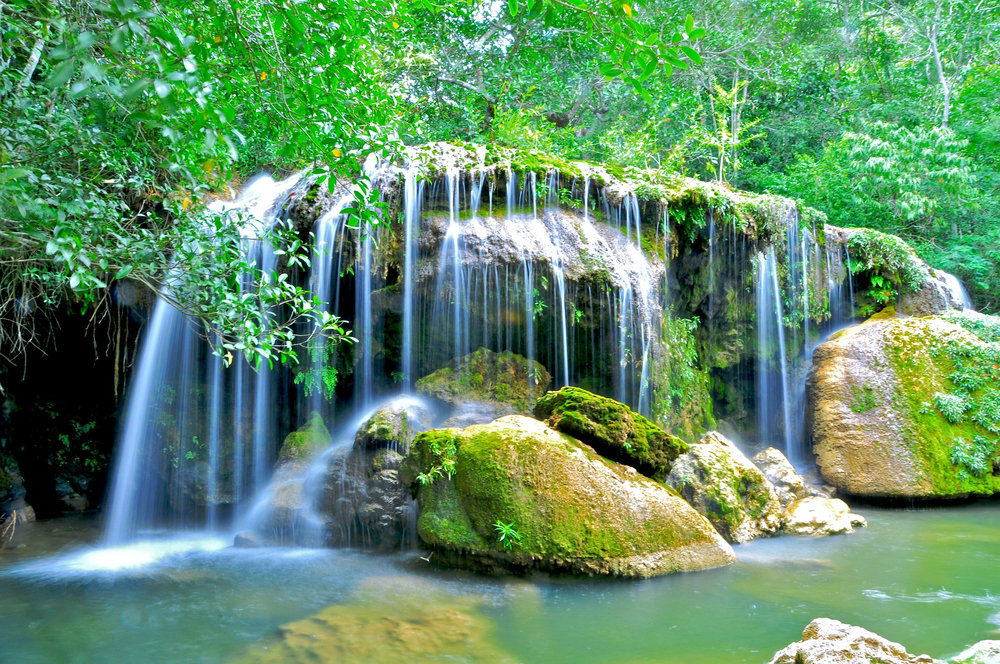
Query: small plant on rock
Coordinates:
[507,536]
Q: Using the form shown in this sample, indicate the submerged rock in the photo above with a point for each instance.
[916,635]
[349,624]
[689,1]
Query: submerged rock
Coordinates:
[909,406]
[826,641]
[571,509]
[816,515]
[612,428]
[389,619]
[484,375]
[721,483]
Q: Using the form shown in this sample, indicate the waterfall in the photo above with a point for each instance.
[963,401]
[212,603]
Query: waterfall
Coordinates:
[167,418]
[583,294]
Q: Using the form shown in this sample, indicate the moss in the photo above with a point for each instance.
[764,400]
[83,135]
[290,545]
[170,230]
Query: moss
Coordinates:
[485,375]
[611,428]
[922,361]
[310,439]
[539,483]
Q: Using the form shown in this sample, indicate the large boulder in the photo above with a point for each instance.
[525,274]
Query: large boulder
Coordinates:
[826,641]
[720,482]
[816,515]
[505,379]
[612,428]
[909,407]
[558,505]
[387,619]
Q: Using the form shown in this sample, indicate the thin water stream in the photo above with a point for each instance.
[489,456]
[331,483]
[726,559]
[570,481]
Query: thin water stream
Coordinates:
[926,578]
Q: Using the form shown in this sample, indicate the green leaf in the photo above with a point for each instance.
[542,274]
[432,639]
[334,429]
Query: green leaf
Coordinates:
[123,272]
[689,24]
[512,6]
[13,174]
[62,73]
[694,56]
[697,33]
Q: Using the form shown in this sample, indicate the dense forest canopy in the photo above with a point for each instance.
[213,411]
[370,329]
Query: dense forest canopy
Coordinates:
[119,117]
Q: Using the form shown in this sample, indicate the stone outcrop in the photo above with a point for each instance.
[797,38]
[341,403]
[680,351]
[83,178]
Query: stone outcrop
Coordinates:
[907,407]
[826,641]
[720,482]
[612,428]
[572,510]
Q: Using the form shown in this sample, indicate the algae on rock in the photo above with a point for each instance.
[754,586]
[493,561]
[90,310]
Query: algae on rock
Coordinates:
[306,441]
[485,375]
[574,510]
[612,428]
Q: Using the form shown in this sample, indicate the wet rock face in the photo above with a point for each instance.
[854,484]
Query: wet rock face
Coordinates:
[937,295]
[12,494]
[720,482]
[878,395]
[572,510]
[504,379]
[364,503]
[613,429]
[826,641]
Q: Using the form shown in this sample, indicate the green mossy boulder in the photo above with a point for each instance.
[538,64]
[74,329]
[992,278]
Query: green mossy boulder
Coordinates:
[909,407]
[307,441]
[573,510]
[484,375]
[612,428]
[721,483]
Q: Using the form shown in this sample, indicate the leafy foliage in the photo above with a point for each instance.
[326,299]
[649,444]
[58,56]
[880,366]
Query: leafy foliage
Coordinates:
[506,535]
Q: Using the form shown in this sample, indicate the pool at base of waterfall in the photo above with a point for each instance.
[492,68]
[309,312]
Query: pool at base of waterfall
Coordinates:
[926,578]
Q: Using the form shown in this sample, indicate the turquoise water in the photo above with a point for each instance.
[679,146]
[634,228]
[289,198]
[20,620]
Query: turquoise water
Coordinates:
[929,579]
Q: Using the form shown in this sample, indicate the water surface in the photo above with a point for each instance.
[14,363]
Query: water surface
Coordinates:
[926,578]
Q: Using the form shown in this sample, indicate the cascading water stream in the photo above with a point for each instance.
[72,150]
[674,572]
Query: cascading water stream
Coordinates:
[162,422]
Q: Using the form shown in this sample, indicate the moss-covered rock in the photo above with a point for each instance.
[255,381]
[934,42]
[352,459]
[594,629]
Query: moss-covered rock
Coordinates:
[484,375]
[572,510]
[308,440]
[612,428]
[909,406]
[721,483]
